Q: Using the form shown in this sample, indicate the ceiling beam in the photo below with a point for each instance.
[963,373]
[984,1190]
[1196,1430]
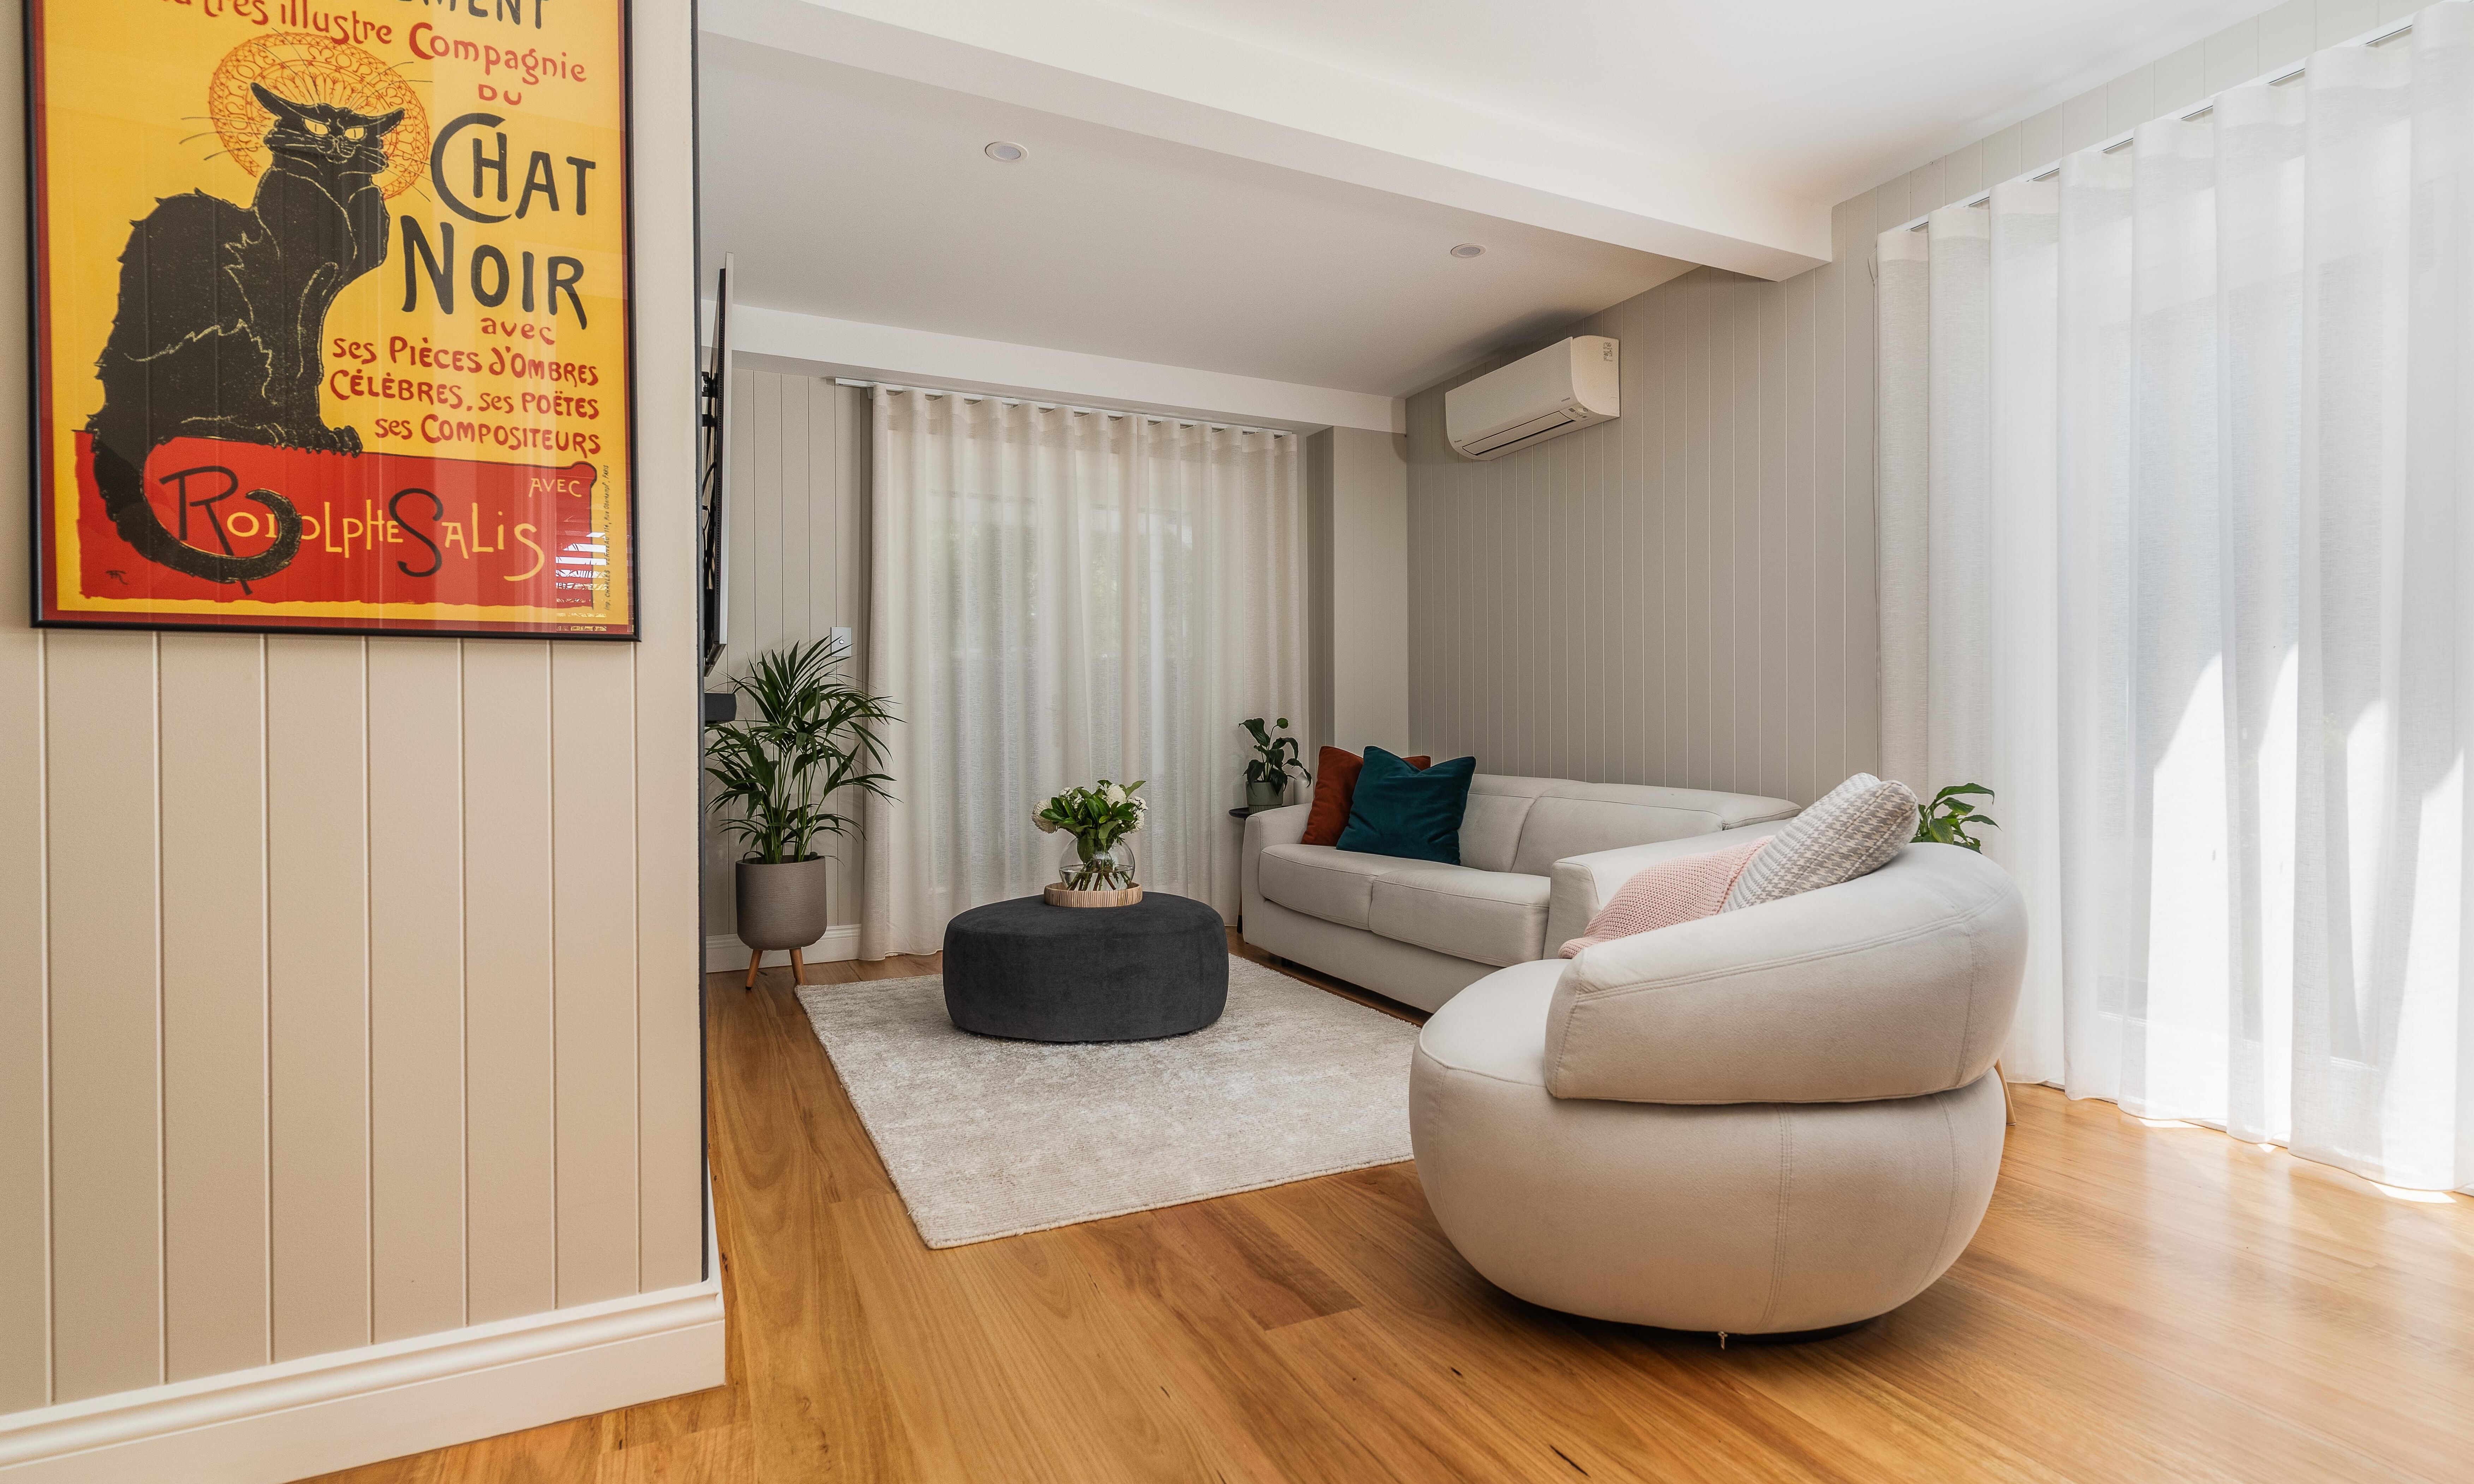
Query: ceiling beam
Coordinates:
[1092,62]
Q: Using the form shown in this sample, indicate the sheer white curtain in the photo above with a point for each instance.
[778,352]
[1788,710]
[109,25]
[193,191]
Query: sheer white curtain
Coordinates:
[1061,596]
[2172,448]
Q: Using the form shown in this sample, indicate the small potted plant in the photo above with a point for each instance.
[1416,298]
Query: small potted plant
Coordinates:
[1951,820]
[1096,869]
[775,778]
[1275,762]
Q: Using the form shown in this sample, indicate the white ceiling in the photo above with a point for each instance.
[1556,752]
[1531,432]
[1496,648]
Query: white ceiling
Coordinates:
[1822,98]
[1267,188]
[857,196]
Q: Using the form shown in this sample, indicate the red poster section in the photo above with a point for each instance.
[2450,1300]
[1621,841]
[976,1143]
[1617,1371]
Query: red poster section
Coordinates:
[405,531]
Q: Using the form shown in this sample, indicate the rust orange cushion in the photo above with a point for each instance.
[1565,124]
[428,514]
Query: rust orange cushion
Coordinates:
[1335,784]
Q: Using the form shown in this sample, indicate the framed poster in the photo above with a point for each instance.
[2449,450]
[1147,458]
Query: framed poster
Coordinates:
[330,306]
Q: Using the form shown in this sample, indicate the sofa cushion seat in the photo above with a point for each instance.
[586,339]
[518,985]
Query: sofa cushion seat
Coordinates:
[1487,917]
[1323,882]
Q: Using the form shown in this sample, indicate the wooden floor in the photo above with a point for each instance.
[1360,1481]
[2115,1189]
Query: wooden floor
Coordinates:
[2142,1304]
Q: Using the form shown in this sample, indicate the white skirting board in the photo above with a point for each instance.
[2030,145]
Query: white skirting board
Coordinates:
[728,952]
[328,1412]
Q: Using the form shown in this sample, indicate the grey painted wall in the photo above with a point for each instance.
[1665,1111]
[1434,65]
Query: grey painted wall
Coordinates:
[1686,595]
[1682,595]
[1359,560]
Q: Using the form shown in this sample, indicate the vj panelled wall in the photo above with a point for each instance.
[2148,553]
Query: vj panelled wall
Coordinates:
[1686,595]
[1367,635]
[349,987]
[798,554]
[1357,570]
[1315,728]
[1682,595]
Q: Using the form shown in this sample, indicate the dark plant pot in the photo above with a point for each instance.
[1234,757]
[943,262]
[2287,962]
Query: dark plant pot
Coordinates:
[1266,796]
[781,907]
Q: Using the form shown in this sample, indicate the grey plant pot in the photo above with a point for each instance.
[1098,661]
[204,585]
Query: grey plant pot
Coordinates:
[1266,796]
[781,907]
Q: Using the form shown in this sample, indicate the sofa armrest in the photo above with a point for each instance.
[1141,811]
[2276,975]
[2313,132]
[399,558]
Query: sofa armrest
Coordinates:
[1583,883]
[1265,829]
[1896,983]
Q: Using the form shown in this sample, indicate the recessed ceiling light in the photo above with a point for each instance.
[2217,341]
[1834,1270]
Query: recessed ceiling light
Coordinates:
[1004,151]
[1468,249]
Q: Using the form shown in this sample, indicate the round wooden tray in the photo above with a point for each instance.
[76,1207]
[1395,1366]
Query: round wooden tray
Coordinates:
[1115,897]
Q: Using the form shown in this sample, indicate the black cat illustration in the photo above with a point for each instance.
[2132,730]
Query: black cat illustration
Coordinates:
[222,311]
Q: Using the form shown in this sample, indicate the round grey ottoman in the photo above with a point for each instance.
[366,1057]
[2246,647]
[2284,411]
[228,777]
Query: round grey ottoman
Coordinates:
[1028,971]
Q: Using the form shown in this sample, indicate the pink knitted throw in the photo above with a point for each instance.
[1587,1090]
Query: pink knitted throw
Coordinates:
[1668,893]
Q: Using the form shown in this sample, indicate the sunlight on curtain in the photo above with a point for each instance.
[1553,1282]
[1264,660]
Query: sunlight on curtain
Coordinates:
[1062,596]
[2181,435]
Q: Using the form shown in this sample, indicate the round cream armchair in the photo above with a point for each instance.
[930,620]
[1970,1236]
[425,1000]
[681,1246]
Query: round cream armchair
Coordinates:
[1777,1119]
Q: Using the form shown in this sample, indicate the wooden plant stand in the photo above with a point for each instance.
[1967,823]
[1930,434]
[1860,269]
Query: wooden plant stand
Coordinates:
[756,960]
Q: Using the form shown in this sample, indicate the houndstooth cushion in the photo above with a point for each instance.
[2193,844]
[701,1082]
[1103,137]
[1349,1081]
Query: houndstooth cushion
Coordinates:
[1853,829]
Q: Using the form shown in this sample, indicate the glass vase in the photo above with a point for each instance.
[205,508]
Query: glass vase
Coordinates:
[1084,868]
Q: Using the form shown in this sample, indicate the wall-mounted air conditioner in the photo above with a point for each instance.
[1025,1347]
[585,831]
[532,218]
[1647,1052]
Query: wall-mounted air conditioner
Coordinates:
[1570,384]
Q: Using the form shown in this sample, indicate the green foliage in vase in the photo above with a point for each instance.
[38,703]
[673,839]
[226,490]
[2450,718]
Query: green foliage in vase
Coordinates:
[1097,816]
[813,734]
[1951,820]
[1275,758]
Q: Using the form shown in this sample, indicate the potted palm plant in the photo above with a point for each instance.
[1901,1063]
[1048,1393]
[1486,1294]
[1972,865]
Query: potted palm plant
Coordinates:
[776,777]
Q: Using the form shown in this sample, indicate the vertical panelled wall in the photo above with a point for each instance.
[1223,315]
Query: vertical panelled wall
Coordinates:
[1681,596]
[799,565]
[1317,733]
[1363,626]
[1685,595]
[348,987]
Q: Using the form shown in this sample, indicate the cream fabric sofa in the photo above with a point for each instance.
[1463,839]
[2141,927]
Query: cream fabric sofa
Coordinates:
[1538,857]
[1777,1119]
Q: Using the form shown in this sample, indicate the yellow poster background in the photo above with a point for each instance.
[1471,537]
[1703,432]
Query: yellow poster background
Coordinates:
[125,119]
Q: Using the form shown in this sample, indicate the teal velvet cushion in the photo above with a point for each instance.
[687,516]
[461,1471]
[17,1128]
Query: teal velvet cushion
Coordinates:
[1408,812]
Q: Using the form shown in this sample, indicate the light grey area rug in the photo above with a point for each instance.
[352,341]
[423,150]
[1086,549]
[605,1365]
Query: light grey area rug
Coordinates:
[987,1138]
